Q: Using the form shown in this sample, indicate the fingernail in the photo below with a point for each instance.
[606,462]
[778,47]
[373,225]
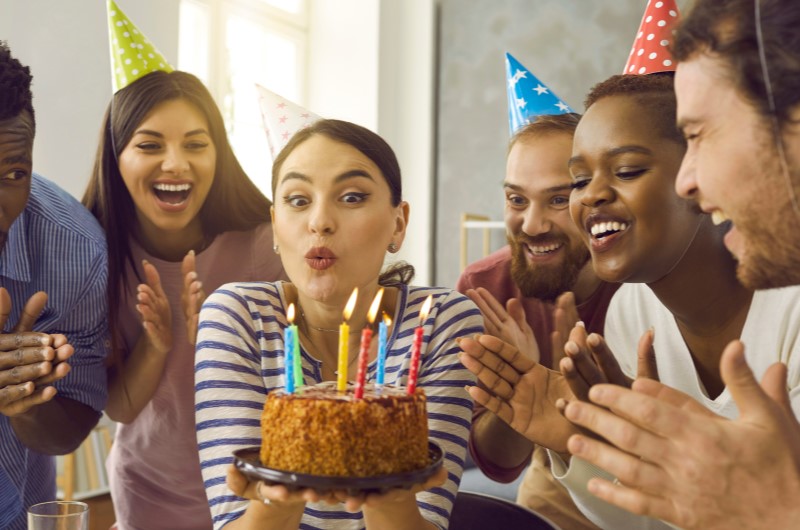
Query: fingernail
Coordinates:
[458,341]
[597,393]
[576,445]
[580,323]
[593,339]
[191,252]
[571,347]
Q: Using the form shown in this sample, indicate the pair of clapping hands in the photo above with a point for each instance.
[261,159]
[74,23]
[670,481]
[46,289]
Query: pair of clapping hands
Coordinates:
[30,362]
[674,459]
[528,396]
[153,304]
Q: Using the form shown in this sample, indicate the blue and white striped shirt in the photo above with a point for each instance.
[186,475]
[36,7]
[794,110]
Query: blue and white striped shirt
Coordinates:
[56,246]
[240,360]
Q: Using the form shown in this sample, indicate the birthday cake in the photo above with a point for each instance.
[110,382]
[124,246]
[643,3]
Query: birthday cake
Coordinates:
[320,431]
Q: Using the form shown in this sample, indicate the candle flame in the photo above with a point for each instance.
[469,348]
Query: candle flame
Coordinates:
[351,304]
[290,314]
[426,308]
[376,304]
[386,319]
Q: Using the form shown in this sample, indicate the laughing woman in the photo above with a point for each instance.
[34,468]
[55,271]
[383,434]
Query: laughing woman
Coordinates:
[338,210]
[177,209]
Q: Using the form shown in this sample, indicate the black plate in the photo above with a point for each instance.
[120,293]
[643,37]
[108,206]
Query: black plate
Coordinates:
[248,462]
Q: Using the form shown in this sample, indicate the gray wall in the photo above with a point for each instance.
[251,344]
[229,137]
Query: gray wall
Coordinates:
[568,44]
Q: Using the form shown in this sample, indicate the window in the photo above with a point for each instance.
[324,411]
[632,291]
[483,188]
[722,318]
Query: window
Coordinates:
[232,45]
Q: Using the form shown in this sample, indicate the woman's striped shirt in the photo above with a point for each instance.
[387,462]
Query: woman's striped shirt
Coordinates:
[240,360]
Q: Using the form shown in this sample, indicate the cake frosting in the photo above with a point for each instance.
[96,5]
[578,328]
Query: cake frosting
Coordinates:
[318,430]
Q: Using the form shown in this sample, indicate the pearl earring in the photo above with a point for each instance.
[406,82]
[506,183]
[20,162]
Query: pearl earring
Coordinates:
[392,247]
[276,249]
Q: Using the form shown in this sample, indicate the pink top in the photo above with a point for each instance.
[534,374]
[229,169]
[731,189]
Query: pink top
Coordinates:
[154,467]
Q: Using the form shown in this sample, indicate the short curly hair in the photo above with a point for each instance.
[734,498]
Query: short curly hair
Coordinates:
[655,92]
[15,86]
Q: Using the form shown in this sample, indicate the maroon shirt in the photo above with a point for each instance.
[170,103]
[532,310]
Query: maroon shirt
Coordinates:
[493,273]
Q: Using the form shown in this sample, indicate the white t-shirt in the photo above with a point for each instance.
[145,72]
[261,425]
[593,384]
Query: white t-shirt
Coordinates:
[770,334]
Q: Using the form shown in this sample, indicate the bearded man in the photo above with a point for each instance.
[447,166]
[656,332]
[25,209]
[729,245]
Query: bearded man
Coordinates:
[545,257]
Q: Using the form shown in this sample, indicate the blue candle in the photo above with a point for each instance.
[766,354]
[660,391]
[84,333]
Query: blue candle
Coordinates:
[382,332]
[289,340]
[298,362]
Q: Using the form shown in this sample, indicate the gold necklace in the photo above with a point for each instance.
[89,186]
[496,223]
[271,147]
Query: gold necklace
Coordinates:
[310,345]
[307,323]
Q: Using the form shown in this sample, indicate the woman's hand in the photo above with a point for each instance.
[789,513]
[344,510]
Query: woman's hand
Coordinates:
[506,323]
[590,362]
[388,499]
[565,317]
[192,297]
[521,392]
[153,306]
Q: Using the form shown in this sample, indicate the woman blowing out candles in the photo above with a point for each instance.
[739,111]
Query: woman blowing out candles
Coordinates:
[338,209]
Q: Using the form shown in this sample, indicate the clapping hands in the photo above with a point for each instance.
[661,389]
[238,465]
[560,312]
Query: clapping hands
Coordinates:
[29,362]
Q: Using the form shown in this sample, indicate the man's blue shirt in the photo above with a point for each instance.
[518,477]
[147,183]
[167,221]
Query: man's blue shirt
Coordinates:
[56,246]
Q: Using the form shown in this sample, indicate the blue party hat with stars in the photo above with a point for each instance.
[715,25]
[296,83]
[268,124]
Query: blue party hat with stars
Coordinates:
[528,97]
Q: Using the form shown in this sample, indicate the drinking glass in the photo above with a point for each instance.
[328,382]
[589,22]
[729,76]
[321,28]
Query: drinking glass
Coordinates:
[59,515]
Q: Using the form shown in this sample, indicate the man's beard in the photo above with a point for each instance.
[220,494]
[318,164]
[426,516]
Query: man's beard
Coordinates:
[771,231]
[546,282]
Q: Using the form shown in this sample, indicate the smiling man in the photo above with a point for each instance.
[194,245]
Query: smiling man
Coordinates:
[738,91]
[52,312]
[545,257]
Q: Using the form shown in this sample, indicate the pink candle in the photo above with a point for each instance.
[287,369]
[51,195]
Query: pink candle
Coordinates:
[366,338]
[416,346]
[363,356]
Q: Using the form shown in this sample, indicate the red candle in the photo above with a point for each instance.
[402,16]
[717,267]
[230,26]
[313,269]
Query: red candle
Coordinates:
[366,338]
[416,346]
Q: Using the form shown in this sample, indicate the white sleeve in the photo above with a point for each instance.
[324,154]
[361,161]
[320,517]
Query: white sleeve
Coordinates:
[575,478]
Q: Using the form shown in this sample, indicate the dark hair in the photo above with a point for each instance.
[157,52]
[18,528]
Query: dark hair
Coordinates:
[546,124]
[15,87]
[373,147]
[233,202]
[727,28]
[655,92]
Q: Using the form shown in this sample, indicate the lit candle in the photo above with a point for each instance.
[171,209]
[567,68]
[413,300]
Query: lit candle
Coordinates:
[413,370]
[344,339]
[382,332]
[297,360]
[289,340]
[366,338]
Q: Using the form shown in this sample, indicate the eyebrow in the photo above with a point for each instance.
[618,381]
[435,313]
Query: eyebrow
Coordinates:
[157,134]
[19,159]
[611,153]
[554,189]
[347,175]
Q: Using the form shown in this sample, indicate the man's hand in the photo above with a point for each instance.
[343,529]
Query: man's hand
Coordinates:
[29,361]
[677,461]
[153,306]
[506,323]
[192,297]
[521,392]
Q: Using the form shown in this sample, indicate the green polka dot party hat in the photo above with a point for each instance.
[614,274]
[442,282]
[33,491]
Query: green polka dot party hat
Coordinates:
[132,54]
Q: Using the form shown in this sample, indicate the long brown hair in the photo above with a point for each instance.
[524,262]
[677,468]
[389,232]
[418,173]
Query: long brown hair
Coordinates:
[233,202]
[373,147]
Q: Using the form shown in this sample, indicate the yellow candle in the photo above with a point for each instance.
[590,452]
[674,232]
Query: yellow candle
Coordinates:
[344,341]
[344,338]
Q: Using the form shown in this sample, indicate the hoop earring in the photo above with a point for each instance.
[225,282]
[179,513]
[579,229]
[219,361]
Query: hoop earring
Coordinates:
[276,249]
[392,247]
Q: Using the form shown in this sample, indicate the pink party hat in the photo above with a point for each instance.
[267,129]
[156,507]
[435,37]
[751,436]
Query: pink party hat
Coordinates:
[282,118]
[650,52]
